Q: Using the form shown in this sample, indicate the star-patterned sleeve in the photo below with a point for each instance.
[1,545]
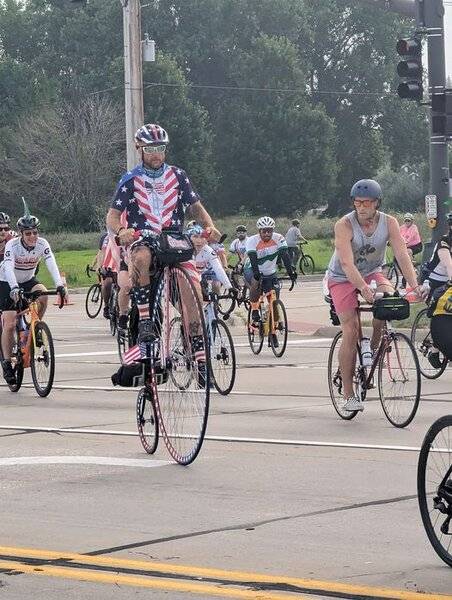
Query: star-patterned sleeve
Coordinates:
[122,195]
[187,193]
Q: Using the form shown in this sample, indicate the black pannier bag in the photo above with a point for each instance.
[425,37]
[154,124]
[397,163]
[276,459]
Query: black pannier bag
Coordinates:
[173,248]
[129,375]
[393,308]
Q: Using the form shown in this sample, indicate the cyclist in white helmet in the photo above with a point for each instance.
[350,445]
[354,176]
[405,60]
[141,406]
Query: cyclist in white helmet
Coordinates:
[263,251]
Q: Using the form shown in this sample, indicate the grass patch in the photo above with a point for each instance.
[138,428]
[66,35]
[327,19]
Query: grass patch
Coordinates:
[73,264]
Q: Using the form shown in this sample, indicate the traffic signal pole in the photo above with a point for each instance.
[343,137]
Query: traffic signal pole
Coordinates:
[429,16]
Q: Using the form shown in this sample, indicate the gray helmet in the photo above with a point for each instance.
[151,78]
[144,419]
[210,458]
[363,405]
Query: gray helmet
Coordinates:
[295,222]
[4,218]
[240,229]
[28,222]
[366,188]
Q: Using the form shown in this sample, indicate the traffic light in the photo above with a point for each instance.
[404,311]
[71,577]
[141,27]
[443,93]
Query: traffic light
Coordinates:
[410,69]
[442,113]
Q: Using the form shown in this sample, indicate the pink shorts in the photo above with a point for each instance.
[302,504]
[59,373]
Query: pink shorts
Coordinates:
[345,295]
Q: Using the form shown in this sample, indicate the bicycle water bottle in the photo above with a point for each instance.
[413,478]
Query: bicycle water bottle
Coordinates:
[366,352]
[426,285]
[373,285]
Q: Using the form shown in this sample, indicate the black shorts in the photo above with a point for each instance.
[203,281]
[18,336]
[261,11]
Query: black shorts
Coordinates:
[416,248]
[5,301]
[441,328]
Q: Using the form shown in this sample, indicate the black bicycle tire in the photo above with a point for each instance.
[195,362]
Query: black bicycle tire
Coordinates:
[43,391]
[113,310]
[278,352]
[303,262]
[436,427]
[19,368]
[350,414]
[259,346]
[191,456]
[145,396]
[440,371]
[93,315]
[413,412]
[224,392]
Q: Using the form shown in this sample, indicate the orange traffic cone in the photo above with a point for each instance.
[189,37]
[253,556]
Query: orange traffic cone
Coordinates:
[67,301]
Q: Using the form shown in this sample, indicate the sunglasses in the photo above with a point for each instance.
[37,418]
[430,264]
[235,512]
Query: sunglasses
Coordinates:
[29,233]
[154,149]
[367,202]
[4,228]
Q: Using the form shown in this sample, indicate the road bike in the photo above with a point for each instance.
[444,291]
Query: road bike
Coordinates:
[273,320]
[222,353]
[33,344]
[394,362]
[306,264]
[176,391]
[421,339]
[434,486]
[93,300]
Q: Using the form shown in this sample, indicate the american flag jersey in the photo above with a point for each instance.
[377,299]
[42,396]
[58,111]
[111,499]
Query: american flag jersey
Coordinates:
[154,203]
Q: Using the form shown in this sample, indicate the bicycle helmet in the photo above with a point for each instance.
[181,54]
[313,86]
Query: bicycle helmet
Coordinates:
[194,229]
[408,217]
[151,134]
[295,222]
[28,222]
[265,223]
[240,229]
[366,188]
[4,218]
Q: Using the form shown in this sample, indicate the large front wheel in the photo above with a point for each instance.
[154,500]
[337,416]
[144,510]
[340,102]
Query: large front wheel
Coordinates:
[42,359]
[434,486]
[180,353]
[222,358]
[399,380]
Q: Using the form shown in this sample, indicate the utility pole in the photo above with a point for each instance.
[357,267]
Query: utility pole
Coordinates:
[133,75]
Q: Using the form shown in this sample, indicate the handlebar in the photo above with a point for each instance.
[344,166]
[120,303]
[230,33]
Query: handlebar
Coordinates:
[32,296]
[89,269]
[148,233]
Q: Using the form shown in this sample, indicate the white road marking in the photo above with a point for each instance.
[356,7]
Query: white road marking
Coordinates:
[220,438]
[82,460]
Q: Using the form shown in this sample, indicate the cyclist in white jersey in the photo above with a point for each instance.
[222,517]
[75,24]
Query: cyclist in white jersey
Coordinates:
[17,271]
[206,259]
[263,251]
[238,246]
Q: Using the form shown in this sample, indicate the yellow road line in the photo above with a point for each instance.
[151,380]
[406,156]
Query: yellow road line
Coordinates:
[229,577]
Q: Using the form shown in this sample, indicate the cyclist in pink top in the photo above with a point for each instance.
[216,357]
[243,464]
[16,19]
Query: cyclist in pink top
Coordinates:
[410,235]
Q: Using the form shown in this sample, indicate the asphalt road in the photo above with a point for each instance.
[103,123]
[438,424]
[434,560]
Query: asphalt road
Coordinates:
[291,501]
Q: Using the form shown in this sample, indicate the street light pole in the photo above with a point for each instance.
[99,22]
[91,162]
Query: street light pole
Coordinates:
[133,75]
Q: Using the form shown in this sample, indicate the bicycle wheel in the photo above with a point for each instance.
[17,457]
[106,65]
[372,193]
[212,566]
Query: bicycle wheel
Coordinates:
[255,335]
[113,310]
[42,361]
[279,342]
[93,300]
[434,486]
[182,412]
[399,380]
[17,362]
[222,358]
[147,421]
[306,264]
[335,380]
[421,338]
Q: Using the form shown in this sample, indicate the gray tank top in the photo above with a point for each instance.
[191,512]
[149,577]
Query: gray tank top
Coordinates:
[368,250]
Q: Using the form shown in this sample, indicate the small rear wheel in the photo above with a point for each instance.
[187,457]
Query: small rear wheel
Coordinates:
[93,301]
[42,359]
[335,383]
[222,358]
[147,421]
